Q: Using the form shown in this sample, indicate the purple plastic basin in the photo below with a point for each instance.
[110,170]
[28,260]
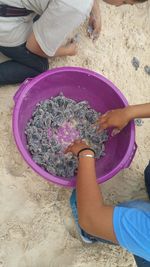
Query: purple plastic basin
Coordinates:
[78,84]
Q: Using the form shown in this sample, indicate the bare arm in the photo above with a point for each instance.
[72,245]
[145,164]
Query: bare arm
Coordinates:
[139,111]
[66,50]
[119,118]
[95,217]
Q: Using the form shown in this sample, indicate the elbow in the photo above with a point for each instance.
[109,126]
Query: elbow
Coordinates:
[86,223]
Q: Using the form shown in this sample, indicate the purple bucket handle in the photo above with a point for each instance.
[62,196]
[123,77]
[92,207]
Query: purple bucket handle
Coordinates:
[21,88]
[128,163]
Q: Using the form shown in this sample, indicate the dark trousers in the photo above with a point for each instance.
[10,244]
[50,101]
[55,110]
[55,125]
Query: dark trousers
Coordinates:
[23,64]
[139,261]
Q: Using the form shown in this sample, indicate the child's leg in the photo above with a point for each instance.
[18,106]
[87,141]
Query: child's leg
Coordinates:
[24,64]
[147,179]
[12,72]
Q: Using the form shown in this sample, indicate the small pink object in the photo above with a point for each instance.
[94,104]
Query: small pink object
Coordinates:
[67,133]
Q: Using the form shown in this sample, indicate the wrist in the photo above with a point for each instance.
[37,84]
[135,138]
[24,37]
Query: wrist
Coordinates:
[86,151]
[129,113]
[86,156]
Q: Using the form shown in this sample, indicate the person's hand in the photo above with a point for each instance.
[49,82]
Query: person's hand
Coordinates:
[94,26]
[76,147]
[117,119]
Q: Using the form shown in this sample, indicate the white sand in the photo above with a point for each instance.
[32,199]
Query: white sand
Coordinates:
[37,229]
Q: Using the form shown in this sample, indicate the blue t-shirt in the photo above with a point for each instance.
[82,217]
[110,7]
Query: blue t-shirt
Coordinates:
[132,227]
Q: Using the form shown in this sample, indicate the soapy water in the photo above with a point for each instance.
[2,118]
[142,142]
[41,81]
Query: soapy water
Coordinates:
[54,125]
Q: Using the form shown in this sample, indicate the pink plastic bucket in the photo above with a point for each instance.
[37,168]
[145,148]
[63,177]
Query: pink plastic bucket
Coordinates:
[78,84]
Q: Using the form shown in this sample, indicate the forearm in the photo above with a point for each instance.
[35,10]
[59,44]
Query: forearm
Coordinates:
[139,111]
[88,192]
[94,216]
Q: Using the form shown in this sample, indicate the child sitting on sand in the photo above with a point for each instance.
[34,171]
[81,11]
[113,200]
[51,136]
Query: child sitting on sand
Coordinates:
[28,44]
[127,224]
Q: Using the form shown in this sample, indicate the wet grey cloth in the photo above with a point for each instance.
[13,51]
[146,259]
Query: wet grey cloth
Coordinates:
[55,124]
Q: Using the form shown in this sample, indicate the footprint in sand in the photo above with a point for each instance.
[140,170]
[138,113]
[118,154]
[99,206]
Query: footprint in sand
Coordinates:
[64,211]
[14,163]
[11,159]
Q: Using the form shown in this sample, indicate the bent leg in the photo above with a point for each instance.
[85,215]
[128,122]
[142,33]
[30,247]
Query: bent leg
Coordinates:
[31,65]
[22,55]
[12,72]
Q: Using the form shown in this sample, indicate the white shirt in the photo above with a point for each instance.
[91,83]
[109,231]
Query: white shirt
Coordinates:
[58,18]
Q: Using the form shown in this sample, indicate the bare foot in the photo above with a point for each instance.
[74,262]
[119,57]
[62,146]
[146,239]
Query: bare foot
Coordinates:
[72,48]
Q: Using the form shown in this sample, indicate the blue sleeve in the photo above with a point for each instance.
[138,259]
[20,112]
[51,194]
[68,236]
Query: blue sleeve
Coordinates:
[132,229]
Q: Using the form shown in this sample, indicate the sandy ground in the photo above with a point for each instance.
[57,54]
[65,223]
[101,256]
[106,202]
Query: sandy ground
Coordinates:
[36,225]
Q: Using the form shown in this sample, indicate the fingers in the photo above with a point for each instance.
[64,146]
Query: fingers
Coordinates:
[93,29]
[103,119]
[78,141]
[68,150]
[96,32]
[115,132]
[76,38]
[103,126]
[75,143]
[90,30]
[93,33]
[95,36]
[103,122]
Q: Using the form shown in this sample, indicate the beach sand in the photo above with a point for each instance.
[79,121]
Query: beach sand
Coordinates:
[36,225]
